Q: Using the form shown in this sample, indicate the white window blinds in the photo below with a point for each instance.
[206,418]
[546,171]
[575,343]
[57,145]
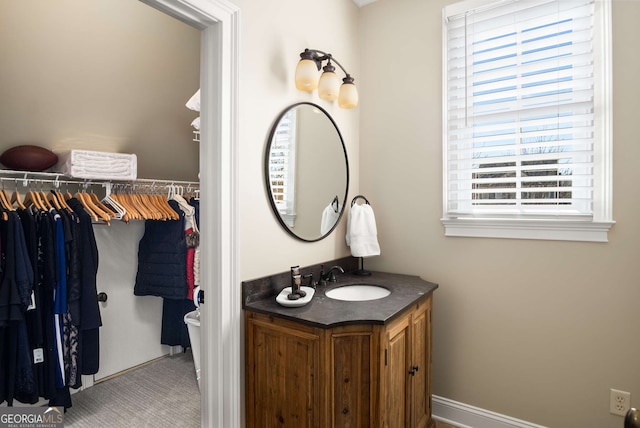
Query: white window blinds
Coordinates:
[282,161]
[519,103]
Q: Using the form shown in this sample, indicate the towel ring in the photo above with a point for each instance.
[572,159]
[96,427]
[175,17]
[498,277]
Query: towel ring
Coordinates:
[335,204]
[353,201]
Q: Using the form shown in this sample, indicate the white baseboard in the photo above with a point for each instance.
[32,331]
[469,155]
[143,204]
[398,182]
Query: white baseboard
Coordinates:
[466,416]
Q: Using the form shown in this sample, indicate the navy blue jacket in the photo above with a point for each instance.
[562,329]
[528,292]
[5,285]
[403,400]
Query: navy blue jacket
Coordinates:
[162,259]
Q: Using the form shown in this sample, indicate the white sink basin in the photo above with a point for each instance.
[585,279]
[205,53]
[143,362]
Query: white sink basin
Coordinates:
[358,292]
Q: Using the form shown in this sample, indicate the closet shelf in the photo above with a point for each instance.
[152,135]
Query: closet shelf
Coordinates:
[57,178]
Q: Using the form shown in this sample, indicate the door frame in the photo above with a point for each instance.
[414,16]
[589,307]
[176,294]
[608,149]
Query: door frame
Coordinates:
[218,21]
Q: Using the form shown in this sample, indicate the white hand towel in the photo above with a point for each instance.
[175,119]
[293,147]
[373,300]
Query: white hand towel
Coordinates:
[362,234]
[329,218]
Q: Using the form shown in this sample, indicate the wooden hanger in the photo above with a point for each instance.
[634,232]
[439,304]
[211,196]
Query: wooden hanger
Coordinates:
[6,205]
[87,207]
[44,201]
[58,199]
[63,201]
[163,204]
[123,198]
[136,199]
[15,199]
[158,206]
[97,210]
[131,212]
[103,207]
[32,199]
[140,204]
[5,200]
[53,200]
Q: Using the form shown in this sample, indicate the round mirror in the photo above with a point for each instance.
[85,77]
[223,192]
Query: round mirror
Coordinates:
[306,171]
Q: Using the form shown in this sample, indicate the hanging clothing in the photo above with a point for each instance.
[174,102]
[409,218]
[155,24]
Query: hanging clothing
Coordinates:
[48,301]
[60,301]
[24,382]
[166,259]
[47,278]
[162,259]
[192,236]
[33,317]
[11,315]
[90,310]
[174,331]
[195,203]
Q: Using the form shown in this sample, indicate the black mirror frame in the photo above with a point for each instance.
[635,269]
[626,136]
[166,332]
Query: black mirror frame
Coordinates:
[274,209]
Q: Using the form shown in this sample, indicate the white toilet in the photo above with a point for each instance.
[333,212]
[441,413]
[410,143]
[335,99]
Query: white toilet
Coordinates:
[192,320]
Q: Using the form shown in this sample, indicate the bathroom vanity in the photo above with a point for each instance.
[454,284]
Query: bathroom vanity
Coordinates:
[335,363]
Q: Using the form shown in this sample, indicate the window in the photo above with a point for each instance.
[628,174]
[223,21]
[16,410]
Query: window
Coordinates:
[527,145]
[282,167]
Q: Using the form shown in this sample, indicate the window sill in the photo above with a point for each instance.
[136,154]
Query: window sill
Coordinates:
[547,229]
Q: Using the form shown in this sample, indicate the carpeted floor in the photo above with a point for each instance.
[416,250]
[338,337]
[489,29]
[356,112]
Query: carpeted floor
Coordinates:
[161,394]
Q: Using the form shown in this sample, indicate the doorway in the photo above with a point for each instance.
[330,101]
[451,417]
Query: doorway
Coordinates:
[217,21]
[221,312]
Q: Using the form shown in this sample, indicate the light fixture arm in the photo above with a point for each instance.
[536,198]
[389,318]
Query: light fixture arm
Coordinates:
[318,56]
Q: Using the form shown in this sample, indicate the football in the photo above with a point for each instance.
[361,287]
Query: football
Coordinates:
[28,158]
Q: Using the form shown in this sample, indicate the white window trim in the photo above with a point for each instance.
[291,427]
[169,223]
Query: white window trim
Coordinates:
[592,230]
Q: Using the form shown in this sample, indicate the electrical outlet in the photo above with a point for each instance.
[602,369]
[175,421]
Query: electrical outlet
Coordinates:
[619,402]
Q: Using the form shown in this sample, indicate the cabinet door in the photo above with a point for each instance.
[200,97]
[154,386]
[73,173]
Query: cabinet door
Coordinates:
[351,404]
[407,381]
[396,389]
[282,364]
[421,366]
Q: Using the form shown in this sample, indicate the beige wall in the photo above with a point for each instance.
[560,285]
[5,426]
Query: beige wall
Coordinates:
[537,330]
[273,33]
[109,75]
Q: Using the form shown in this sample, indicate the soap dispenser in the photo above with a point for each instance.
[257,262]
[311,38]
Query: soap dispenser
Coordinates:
[296,280]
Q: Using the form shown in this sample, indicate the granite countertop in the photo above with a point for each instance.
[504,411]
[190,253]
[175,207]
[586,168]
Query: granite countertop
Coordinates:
[325,312]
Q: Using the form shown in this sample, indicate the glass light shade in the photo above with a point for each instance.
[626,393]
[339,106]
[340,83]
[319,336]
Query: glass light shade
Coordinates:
[329,86]
[306,75]
[348,97]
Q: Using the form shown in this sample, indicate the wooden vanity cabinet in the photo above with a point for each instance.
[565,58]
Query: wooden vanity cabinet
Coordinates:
[359,375]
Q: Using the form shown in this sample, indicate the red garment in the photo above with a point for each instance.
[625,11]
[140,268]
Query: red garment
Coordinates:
[190,277]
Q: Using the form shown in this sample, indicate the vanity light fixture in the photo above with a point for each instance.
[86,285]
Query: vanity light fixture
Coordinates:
[328,84]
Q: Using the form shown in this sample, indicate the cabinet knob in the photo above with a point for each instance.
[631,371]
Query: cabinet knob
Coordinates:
[413,370]
[345,411]
[102,297]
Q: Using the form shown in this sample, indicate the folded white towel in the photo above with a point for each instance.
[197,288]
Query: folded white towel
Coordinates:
[194,102]
[97,165]
[329,218]
[362,234]
[196,123]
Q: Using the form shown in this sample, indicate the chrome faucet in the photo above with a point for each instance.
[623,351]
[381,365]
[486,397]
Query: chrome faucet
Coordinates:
[330,275]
